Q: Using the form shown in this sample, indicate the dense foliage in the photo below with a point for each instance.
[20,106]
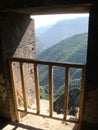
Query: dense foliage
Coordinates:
[72,50]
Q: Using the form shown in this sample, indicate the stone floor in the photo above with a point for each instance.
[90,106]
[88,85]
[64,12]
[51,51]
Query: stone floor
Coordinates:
[31,122]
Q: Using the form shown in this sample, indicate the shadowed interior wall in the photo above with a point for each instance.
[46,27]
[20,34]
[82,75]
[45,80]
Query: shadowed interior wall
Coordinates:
[16,40]
[90,111]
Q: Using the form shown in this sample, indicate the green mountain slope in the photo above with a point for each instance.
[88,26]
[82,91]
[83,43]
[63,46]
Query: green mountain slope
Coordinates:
[65,50]
[72,49]
[62,29]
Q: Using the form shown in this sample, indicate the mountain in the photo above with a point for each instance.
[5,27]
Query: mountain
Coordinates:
[67,49]
[43,29]
[53,34]
[39,46]
[72,49]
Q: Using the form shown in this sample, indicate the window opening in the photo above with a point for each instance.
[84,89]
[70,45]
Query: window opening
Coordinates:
[62,38]
[59,68]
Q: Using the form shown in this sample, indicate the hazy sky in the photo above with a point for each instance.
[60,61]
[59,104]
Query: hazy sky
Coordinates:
[43,20]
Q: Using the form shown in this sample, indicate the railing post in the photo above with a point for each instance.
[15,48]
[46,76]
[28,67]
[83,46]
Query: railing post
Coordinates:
[14,91]
[82,97]
[37,87]
[66,95]
[51,89]
[23,86]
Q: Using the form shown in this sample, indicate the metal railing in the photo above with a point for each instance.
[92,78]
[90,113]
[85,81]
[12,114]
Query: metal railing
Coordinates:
[35,63]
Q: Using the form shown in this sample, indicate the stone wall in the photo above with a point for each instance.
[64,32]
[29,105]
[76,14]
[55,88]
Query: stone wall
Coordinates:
[16,40]
[90,109]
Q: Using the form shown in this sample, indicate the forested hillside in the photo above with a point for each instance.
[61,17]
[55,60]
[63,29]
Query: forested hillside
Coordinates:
[72,49]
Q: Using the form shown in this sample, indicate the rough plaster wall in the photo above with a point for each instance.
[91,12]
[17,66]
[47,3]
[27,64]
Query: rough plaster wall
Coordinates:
[90,110]
[26,49]
[91,115]
[16,39]
[3,94]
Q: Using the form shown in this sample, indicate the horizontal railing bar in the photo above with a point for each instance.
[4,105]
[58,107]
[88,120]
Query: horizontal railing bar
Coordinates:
[67,64]
[45,116]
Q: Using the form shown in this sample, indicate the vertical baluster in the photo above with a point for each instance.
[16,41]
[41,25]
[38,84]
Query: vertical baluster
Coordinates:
[14,90]
[37,87]
[23,86]
[66,92]
[81,97]
[51,89]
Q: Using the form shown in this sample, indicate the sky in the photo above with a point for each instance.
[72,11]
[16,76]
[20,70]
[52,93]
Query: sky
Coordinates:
[43,20]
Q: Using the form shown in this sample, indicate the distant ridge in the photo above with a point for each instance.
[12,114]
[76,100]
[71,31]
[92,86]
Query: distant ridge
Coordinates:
[50,35]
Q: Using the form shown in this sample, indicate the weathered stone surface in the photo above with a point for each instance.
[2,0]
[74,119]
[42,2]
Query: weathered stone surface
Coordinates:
[17,40]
